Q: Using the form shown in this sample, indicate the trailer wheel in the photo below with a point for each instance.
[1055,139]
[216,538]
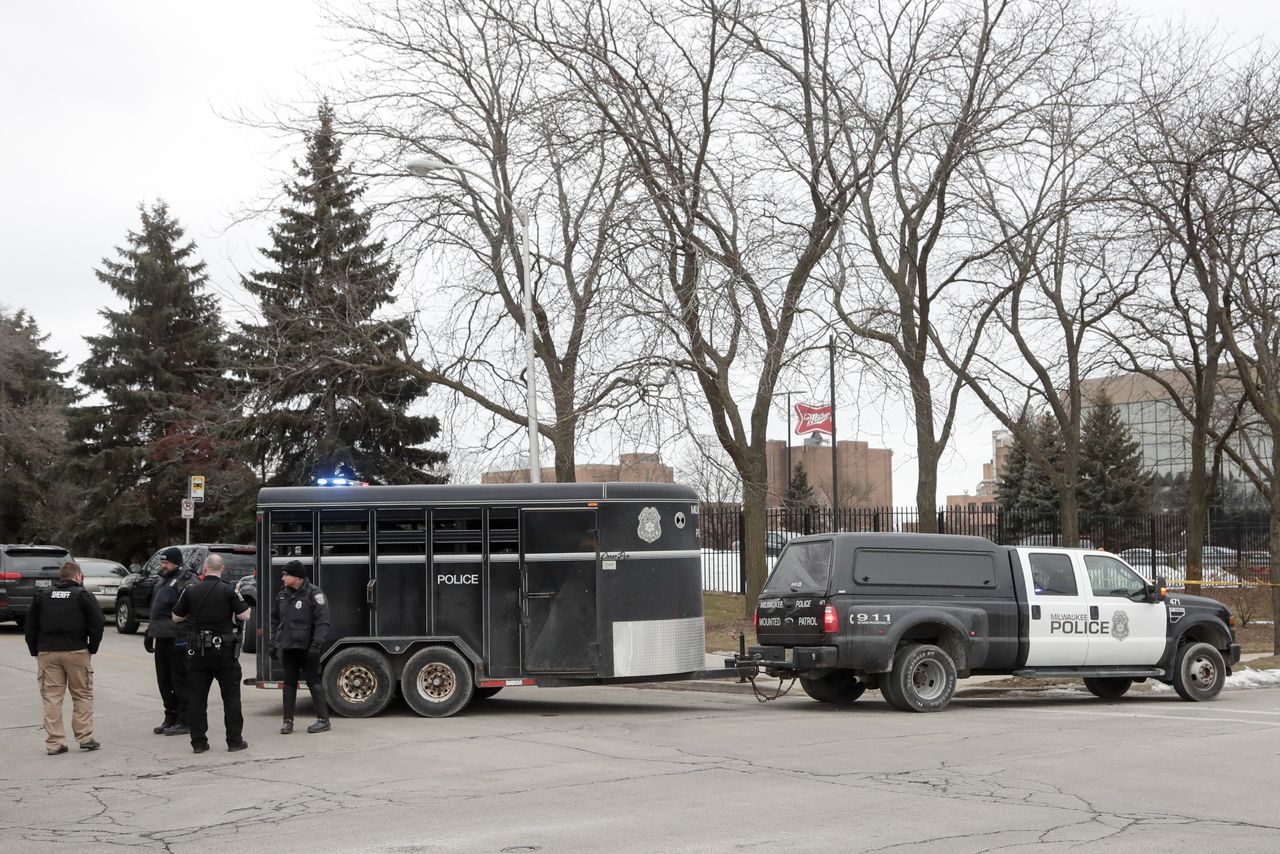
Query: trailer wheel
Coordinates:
[1199,672]
[923,679]
[840,688]
[1108,687]
[358,682]
[437,682]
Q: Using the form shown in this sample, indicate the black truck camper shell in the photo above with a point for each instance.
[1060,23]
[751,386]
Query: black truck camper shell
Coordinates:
[450,593]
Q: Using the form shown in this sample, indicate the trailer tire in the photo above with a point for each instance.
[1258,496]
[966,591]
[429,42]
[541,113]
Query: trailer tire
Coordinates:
[923,679]
[1108,687]
[437,682]
[840,688]
[1199,672]
[358,682]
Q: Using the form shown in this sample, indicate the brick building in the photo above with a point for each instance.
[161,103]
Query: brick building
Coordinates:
[864,473]
[630,468]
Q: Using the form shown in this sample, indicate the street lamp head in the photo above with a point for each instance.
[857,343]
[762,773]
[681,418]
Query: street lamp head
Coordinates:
[424,166]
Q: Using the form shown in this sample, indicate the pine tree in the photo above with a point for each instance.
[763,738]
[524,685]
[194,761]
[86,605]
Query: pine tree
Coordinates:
[799,495]
[156,364]
[33,401]
[1025,494]
[324,392]
[1113,482]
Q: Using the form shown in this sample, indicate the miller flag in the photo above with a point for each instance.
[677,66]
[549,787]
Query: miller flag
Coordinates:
[813,419]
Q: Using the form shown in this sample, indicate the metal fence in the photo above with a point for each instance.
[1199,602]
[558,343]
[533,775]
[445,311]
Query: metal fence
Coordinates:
[1236,551]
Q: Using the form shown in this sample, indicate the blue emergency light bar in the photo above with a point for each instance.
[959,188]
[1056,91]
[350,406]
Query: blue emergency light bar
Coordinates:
[340,481]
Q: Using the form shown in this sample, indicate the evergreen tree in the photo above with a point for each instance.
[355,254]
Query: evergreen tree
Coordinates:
[324,392]
[1025,494]
[33,401]
[157,362]
[799,495]
[1113,482]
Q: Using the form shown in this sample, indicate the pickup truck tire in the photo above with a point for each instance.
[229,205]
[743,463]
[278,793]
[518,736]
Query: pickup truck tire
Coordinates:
[126,620]
[840,688]
[923,679]
[358,682]
[437,682]
[1199,672]
[1108,687]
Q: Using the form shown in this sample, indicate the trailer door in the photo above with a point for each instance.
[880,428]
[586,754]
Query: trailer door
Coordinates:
[559,553]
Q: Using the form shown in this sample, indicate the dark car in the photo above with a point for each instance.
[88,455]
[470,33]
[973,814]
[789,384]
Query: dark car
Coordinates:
[133,600]
[24,570]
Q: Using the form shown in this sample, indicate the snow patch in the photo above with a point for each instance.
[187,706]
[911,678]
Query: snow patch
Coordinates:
[1239,680]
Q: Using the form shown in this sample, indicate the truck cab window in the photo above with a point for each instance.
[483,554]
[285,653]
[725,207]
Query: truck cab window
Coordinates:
[1110,577]
[1053,575]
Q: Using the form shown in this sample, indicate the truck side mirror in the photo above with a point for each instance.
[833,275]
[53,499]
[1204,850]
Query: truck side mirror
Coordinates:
[1161,590]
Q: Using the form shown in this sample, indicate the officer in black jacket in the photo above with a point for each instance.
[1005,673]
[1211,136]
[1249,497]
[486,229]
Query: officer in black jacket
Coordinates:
[168,643]
[299,628]
[64,629]
[210,610]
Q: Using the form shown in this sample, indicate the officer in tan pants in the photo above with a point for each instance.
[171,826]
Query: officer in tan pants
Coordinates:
[64,629]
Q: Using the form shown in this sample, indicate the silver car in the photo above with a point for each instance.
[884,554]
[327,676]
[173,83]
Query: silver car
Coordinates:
[102,578]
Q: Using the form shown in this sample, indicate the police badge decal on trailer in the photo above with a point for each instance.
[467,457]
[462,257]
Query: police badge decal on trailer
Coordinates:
[650,525]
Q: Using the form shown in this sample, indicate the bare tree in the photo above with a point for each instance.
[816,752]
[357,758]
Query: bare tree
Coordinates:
[1171,158]
[1064,269]
[1249,311]
[449,81]
[948,91]
[733,121]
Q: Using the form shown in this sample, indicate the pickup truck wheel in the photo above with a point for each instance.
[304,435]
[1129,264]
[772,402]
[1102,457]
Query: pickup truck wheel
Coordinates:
[840,688]
[126,620]
[437,682]
[923,679]
[358,682]
[1199,672]
[1108,687]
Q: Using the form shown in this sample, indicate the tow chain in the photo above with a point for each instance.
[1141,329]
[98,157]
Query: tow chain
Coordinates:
[763,696]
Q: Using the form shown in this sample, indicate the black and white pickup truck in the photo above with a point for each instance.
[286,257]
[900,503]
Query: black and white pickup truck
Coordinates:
[912,613]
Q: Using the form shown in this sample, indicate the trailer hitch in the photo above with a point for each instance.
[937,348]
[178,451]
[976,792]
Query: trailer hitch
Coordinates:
[748,667]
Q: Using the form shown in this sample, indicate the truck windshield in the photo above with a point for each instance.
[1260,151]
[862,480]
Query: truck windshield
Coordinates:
[802,566]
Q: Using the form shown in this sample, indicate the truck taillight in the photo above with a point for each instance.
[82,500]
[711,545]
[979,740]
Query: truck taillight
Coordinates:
[10,576]
[755,619]
[829,621]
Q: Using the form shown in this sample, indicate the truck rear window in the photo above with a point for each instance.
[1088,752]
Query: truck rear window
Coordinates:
[802,566]
[925,569]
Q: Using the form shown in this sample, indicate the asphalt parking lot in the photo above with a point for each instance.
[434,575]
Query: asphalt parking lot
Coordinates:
[643,770]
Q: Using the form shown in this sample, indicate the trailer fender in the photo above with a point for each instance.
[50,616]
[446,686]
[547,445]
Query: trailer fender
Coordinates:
[399,649]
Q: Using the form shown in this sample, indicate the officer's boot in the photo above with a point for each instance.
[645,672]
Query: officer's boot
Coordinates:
[322,725]
[287,726]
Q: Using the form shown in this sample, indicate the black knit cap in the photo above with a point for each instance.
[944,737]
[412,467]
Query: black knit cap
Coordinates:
[173,554]
[297,569]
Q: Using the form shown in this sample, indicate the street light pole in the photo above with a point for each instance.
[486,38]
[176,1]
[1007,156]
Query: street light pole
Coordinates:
[422,167]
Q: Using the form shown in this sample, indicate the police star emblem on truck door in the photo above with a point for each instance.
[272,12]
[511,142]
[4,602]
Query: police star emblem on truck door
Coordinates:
[650,525]
[1119,625]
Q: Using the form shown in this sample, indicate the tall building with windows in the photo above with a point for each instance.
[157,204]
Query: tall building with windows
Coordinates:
[1164,435]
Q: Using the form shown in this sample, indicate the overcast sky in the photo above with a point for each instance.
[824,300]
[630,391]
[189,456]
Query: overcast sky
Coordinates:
[107,105]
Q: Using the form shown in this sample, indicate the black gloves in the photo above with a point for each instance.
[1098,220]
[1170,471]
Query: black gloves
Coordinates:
[315,648]
[273,652]
[149,643]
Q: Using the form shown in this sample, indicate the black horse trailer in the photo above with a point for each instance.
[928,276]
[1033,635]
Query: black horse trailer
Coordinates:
[452,593]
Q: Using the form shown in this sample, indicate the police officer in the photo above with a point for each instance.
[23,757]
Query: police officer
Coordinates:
[299,627]
[64,629]
[168,644]
[209,611]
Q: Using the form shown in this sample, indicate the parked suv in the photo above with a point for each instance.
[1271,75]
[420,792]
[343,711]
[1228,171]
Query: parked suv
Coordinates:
[24,570]
[133,600]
